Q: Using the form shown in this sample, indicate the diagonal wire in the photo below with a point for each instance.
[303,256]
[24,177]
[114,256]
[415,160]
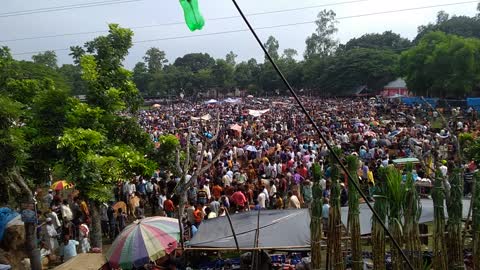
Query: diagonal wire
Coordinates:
[309,117]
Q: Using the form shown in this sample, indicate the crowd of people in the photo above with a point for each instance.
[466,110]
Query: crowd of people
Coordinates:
[267,149]
[64,227]
[258,154]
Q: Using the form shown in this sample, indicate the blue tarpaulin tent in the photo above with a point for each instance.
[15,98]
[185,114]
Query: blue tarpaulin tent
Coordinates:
[6,215]
[474,103]
[418,100]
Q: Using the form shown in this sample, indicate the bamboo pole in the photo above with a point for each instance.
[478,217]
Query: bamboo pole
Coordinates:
[454,208]
[439,245]
[354,217]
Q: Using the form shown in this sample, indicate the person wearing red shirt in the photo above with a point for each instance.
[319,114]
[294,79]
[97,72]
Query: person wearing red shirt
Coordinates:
[217,191]
[302,170]
[168,207]
[239,199]
[198,214]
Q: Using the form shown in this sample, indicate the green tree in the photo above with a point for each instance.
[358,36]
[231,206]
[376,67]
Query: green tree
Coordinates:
[442,17]
[322,42]
[155,59]
[222,74]
[100,146]
[463,26]
[442,65]
[45,124]
[246,74]
[385,41]
[230,58]
[13,153]
[73,78]
[109,83]
[142,78]
[289,55]
[341,74]
[272,46]
[48,59]
[195,61]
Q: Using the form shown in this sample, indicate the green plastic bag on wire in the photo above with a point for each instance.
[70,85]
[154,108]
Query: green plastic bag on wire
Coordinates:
[193,18]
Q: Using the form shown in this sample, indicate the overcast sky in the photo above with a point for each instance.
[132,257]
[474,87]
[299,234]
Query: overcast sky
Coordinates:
[153,12]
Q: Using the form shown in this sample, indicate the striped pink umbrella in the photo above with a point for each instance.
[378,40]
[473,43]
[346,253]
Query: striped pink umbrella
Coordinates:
[143,241]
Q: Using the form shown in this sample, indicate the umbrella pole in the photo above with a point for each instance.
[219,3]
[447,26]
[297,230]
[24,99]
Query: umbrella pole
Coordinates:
[233,230]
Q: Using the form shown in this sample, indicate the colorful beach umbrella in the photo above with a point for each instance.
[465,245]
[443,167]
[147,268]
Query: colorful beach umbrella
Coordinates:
[61,185]
[143,241]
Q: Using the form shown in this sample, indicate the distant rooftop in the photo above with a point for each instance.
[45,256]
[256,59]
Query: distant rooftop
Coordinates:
[398,83]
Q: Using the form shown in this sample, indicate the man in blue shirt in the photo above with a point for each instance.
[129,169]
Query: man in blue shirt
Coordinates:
[69,249]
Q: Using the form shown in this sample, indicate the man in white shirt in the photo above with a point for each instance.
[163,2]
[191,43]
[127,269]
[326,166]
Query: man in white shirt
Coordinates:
[227,180]
[444,169]
[261,200]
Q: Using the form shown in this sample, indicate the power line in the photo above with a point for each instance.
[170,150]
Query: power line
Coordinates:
[272,26]
[182,22]
[62,8]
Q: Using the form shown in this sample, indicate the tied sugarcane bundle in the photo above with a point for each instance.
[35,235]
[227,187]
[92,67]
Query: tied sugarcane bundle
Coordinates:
[412,211]
[335,229]
[439,244]
[316,218]
[353,215]
[378,233]
[454,209]
[476,221]
[396,197]
[334,247]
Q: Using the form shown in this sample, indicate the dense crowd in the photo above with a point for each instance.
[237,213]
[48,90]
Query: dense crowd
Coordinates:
[262,157]
[269,148]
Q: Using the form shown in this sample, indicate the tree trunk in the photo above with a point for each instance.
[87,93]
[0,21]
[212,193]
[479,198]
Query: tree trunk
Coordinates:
[96,226]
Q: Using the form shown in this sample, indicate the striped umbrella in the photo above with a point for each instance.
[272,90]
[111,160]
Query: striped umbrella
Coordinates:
[61,185]
[143,241]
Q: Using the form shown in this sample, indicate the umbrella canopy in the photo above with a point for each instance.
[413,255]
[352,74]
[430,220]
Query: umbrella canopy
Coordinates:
[249,96]
[370,134]
[61,185]
[156,106]
[236,127]
[251,148]
[143,241]
[394,133]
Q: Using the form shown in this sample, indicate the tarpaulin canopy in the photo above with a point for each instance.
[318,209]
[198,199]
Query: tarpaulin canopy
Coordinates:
[233,100]
[427,214]
[257,113]
[211,101]
[6,215]
[279,229]
[474,103]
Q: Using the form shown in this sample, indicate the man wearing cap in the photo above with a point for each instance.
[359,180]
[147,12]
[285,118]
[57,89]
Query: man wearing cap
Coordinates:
[50,235]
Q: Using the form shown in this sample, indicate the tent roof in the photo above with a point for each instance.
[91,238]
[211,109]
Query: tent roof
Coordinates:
[427,214]
[279,229]
[398,83]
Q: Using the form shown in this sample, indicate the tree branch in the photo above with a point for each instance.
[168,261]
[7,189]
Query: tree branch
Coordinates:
[187,161]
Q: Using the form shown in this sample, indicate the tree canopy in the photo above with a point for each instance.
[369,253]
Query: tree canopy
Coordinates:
[442,65]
